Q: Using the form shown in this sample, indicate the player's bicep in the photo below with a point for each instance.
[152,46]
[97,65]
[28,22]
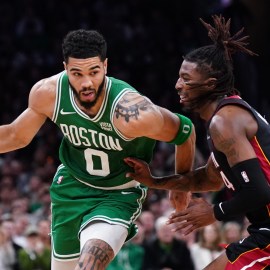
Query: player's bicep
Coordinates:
[136,116]
[230,138]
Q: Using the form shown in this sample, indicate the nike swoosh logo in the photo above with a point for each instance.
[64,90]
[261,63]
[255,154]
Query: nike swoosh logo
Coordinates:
[65,113]
[126,192]
[241,241]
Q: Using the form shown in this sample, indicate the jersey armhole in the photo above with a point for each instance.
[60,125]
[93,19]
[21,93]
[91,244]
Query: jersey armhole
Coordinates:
[118,97]
[57,97]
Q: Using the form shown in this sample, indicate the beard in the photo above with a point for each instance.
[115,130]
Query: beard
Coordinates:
[88,104]
[201,98]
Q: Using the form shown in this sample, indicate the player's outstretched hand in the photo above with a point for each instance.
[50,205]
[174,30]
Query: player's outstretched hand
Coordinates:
[198,214]
[141,172]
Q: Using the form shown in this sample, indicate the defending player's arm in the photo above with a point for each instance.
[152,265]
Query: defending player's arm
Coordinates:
[205,178]
[232,138]
[21,131]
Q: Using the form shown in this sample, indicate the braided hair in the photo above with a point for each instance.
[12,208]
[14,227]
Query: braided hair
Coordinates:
[216,60]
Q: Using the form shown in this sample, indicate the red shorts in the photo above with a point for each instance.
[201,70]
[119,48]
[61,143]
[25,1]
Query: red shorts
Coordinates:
[251,253]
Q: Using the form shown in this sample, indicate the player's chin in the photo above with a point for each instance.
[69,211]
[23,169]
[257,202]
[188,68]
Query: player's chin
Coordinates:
[88,99]
[186,107]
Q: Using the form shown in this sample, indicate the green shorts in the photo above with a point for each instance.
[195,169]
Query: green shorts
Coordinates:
[75,204]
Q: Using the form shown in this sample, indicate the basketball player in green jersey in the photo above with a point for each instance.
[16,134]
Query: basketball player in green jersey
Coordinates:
[103,121]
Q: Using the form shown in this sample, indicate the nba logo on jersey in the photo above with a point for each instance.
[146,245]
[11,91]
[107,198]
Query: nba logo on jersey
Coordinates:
[59,180]
[106,126]
[245,177]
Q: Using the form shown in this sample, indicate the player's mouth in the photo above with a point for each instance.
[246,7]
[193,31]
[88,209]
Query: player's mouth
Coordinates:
[183,98]
[88,94]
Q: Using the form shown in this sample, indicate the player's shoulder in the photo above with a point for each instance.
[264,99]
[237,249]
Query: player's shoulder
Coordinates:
[229,121]
[120,83]
[232,115]
[46,84]
[43,94]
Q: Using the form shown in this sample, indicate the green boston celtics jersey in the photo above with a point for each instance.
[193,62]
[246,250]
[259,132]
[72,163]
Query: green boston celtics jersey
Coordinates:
[92,149]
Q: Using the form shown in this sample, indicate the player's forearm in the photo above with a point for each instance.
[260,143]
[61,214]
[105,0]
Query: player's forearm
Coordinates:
[8,141]
[195,181]
[7,145]
[184,154]
[21,131]
[253,181]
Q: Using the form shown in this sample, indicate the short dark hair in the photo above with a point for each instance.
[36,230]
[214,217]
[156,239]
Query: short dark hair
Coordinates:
[84,44]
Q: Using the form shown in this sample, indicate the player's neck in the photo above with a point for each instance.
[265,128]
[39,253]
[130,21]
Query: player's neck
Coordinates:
[206,111]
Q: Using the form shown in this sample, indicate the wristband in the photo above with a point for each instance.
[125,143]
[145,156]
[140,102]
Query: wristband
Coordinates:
[184,131]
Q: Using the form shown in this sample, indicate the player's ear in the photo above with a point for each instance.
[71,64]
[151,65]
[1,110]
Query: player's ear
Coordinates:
[65,65]
[105,63]
[211,83]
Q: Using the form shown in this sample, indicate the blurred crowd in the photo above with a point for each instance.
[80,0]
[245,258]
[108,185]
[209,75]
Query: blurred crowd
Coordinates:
[146,42]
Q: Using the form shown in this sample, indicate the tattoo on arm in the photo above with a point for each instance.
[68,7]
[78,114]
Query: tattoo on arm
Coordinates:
[194,181]
[225,145]
[130,106]
[96,254]
[206,178]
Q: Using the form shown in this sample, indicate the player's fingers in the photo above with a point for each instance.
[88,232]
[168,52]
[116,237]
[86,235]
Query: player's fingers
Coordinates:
[189,230]
[175,220]
[182,226]
[129,162]
[179,215]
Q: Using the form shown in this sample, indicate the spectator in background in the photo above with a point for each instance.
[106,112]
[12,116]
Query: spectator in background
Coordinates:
[44,209]
[208,247]
[7,253]
[189,239]
[231,232]
[44,231]
[7,195]
[20,206]
[166,251]
[7,227]
[21,222]
[147,220]
[34,186]
[35,255]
